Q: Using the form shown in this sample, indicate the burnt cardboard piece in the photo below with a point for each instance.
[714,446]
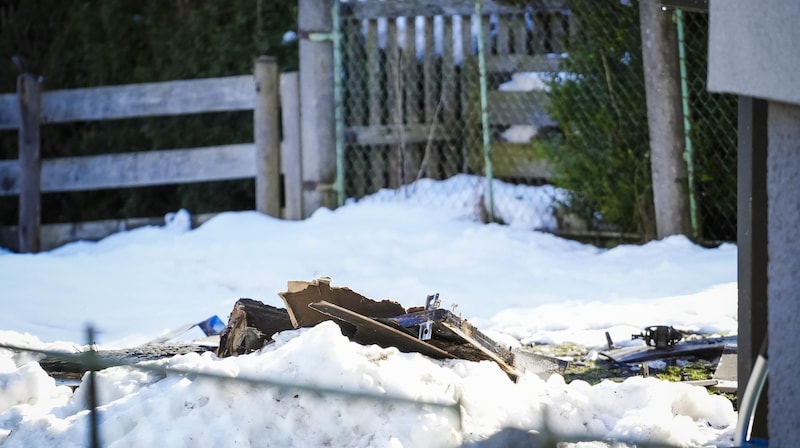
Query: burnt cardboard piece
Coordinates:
[301,294]
[387,323]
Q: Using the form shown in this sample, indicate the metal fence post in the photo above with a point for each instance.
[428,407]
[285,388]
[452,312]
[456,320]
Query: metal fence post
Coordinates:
[94,420]
[688,155]
[29,92]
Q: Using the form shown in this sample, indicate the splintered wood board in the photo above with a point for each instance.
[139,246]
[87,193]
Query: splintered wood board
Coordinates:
[461,338]
[449,326]
[374,332]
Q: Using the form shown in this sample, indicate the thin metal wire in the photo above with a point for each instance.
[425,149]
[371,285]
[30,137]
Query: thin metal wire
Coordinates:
[94,420]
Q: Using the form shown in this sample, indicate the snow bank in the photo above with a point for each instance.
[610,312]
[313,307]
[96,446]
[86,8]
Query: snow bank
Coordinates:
[143,409]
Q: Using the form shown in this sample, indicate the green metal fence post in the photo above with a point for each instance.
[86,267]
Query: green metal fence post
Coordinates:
[338,95]
[487,148]
[687,125]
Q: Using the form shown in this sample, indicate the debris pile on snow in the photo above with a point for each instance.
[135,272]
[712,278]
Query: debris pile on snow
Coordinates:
[141,409]
[428,330]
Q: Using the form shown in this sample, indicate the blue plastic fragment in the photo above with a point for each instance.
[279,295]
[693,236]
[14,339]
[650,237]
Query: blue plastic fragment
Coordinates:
[212,326]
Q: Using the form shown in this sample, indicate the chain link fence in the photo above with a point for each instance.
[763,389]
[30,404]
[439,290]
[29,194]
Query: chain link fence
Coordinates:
[713,135]
[413,112]
[562,89]
[600,154]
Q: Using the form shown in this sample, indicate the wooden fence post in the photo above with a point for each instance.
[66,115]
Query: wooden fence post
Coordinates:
[30,162]
[267,138]
[317,124]
[291,158]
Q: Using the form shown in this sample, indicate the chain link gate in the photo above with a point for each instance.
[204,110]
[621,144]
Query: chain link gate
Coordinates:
[411,112]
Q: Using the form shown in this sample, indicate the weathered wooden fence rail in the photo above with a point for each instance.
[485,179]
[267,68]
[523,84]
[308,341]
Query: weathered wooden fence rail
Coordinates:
[29,176]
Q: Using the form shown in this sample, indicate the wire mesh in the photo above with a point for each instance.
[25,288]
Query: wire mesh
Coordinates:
[600,154]
[714,138]
[566,107]
[412,108]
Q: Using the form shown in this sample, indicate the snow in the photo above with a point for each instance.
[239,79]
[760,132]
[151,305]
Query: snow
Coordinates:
[518,285]
[289,37]
[528,82]
[519,133]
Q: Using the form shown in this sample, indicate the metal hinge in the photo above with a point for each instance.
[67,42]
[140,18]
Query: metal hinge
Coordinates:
[432,302]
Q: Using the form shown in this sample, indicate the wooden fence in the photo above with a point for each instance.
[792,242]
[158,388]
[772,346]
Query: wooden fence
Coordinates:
[407,120]
[413,109]
[265,159]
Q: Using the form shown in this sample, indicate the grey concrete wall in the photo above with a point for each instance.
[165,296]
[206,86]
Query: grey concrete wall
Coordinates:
[783,271]
[753,48]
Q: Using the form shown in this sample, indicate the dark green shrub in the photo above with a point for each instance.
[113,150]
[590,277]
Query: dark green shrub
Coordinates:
[603,156]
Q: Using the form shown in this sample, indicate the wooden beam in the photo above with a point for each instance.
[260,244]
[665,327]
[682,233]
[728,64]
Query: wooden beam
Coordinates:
[55,235]
[159,98]
[512,160]
[370,331]
[136,100]
[508,108]
[393,135]
[291,158]
[138,169]
[394,103]
[317,123]
[267,138]
[375,107]
[29,91]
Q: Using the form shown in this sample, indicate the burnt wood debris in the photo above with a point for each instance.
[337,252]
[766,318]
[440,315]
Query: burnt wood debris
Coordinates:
[385,323]
[429,330]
